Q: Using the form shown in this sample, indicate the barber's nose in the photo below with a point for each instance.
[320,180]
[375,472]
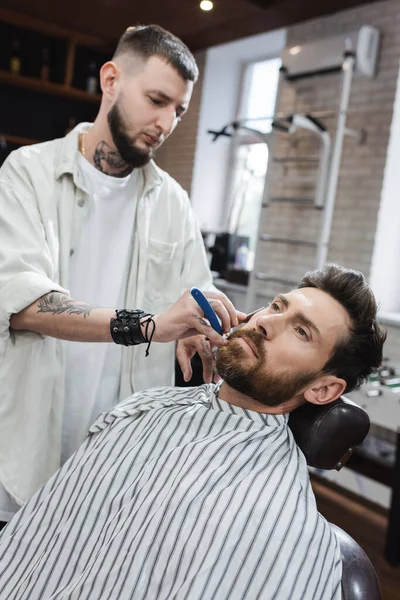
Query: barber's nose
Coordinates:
[166,120]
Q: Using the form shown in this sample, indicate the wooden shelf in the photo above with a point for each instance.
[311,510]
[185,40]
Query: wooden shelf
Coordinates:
[34,84]
[47,87]
[28,22]
[16,139]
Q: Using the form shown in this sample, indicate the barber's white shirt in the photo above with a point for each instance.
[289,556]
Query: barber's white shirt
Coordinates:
[43,206]
[98,268]
[8,506]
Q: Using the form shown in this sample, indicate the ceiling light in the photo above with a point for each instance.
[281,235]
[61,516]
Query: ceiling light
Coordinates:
[295,50]
[206,5]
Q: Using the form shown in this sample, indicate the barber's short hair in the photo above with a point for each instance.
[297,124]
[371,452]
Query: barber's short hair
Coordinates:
[146,41]
[359,354]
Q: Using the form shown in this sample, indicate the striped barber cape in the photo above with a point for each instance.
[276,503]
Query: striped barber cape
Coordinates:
[175,495]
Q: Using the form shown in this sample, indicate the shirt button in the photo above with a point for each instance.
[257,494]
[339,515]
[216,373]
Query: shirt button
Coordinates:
[81,202]
[71,252]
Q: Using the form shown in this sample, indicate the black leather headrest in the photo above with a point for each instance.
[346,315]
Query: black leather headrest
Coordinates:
[328,434]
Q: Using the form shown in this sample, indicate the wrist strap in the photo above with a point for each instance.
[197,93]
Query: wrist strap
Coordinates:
[126,328]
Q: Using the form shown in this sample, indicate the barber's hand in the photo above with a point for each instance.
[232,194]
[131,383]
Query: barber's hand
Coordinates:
[185,318]
[187,348]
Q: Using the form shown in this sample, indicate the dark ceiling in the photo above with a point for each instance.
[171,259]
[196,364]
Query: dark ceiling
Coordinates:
[229,20]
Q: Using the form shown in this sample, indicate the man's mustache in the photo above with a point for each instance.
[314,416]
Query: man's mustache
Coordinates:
[251,334]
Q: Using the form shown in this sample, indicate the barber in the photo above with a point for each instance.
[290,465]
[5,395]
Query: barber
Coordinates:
[89,220]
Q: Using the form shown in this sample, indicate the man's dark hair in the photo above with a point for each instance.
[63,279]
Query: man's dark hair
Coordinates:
[146,41]
[360,353]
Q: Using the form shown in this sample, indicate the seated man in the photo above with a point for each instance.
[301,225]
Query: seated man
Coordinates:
[202,493]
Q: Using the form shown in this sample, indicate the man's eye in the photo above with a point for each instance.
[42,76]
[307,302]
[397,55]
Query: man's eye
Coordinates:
[274,306]
[302,333]
[156,101]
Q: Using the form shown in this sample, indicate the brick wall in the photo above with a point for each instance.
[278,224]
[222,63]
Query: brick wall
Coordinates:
[177,155]
[362,166]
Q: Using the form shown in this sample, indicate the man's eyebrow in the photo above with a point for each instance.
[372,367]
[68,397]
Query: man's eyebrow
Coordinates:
[164,96]
[283,299]
[300,316]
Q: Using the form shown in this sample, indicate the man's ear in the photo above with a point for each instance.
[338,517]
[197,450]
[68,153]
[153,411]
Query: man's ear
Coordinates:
[110,74]
[325,389]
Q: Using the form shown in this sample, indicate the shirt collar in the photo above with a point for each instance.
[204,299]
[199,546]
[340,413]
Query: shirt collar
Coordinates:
[264,418]
[67,162]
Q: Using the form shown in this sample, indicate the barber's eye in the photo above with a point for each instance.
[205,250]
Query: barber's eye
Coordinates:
[156,101]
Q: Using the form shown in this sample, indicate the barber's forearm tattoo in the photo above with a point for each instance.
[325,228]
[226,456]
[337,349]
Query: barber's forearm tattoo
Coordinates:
[57,304]
[106,158]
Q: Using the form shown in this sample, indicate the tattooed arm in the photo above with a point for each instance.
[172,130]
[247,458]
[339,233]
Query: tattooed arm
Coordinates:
[60,316]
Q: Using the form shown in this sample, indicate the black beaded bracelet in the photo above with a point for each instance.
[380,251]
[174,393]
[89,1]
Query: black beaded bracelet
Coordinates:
[126,328]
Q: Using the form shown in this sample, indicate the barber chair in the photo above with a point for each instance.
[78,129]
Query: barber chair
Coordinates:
[327,436]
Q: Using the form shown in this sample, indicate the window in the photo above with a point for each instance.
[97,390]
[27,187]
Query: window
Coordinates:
[260,85]
[385,279]
[258,97]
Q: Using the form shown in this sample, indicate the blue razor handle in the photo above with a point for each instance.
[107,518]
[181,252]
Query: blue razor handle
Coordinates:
[206,308]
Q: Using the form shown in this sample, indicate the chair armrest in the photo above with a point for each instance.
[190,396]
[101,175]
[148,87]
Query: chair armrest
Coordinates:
[359,579]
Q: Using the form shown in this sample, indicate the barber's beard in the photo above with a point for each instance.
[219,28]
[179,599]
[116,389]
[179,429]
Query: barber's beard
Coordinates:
[131,154]
[256,382]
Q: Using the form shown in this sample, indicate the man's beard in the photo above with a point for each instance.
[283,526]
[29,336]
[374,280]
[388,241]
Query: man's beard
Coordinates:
[132,156]
[256,382]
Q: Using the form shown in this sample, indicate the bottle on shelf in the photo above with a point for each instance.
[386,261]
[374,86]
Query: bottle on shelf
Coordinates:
[45,65]
[15,60]
[91,81]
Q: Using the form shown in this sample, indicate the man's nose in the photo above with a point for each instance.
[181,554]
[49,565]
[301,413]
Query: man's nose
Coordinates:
[166,120]
[269,325]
